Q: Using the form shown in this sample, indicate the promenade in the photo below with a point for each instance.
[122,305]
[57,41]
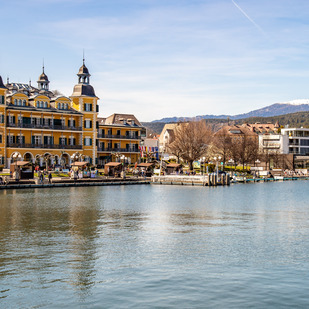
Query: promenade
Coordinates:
[68,182]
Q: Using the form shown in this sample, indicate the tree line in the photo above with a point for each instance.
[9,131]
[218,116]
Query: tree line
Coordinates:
[193,140]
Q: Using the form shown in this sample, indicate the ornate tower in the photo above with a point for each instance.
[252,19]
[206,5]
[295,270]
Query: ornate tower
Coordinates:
[85,101]
[43,81]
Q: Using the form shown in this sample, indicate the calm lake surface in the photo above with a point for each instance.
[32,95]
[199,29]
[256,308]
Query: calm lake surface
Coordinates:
[147,246]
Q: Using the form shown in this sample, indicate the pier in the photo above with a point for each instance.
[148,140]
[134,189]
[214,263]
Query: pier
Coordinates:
[204,180]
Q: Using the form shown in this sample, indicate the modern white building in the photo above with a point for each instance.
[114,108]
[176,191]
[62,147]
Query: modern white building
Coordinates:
[274,143]
[298,140]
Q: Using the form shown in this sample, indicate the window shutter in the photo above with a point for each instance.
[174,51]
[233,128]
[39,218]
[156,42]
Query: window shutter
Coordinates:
[32,140]
[73,123]
[84,123]
[45,140]
[90,107]
[84,107]
[13,119]
[90,141]
[65,141]
[74,141]
[84,141]
[97,108]
[23,139]
[59,140]
[13,139]
[90,123]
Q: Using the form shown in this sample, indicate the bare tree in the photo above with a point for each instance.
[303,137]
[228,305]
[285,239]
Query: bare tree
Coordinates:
[222,143]
[191,141]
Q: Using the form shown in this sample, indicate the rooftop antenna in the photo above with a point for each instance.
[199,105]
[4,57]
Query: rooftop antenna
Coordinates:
[8,80]
[30,82]
[43,65]
[83,56]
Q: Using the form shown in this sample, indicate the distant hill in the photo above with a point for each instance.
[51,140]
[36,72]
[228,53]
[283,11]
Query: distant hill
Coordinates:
[296,120]
[268,111]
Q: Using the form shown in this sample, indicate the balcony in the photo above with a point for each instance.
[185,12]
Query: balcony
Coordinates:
[107,149]
[110,136]
[47,146]
[42,126]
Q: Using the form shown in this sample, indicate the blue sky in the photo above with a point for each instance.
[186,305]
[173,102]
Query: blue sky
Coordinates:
[156,58]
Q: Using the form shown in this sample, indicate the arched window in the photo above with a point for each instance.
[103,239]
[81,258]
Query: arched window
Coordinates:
[15,102]
[45,104]
[24,102]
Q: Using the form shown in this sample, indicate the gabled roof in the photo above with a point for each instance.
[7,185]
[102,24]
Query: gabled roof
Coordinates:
[122,119]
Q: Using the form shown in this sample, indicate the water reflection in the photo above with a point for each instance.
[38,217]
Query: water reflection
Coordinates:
[75,242]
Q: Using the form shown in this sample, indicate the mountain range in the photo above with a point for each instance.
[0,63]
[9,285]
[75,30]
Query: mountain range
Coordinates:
[276,109]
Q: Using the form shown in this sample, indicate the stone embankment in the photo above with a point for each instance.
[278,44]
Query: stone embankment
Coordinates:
[67,182]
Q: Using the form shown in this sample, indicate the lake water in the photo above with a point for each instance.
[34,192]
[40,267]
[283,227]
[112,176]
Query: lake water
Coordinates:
[148,246]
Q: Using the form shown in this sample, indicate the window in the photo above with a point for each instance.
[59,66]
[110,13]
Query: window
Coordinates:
[1,118]
[72,141]
[62,141]
[118,132]
[88,124]
[24,102]
[1,99]
[15,101]
[87,141]
[45,104]
[0,139]
[36,140]
[71,123]
[88,107]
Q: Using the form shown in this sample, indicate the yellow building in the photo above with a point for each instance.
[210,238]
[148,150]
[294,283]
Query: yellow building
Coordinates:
[119,137]
[46,128]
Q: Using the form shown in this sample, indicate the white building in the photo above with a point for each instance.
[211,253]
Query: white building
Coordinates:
[274,143]
[298,140]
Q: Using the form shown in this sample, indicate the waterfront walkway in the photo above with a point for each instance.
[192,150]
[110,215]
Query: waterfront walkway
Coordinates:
[68,182]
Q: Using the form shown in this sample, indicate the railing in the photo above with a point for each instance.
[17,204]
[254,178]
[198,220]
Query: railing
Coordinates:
[43,126]
[118,136]
[107,149]
[21,145]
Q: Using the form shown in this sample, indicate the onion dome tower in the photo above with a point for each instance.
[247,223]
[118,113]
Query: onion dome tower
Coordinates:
[83,88]
[43,81]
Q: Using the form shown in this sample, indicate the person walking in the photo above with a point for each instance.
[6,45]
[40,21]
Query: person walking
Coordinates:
[50,177]
[41,178]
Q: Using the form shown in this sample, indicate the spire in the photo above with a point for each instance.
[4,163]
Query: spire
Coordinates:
[83,88]
[43,80]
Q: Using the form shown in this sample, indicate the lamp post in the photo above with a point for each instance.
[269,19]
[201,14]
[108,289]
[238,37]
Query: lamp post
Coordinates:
[217,161]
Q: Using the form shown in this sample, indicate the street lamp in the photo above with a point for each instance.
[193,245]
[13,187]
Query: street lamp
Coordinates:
[217,161]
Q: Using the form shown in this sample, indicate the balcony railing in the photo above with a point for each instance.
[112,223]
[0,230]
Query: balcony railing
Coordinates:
[118,136]
[43,126]
[48,146]
[107,149]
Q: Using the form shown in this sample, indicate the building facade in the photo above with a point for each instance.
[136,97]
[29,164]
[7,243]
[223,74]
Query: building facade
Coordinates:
[119,137]
[48,128]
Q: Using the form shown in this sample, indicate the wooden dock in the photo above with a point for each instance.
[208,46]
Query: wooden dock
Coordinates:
[205,180]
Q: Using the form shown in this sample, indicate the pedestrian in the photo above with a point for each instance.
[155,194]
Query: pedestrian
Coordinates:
[41,178]
[50,177]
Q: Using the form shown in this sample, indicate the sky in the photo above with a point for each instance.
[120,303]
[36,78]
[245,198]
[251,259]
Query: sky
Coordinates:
[162,58]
